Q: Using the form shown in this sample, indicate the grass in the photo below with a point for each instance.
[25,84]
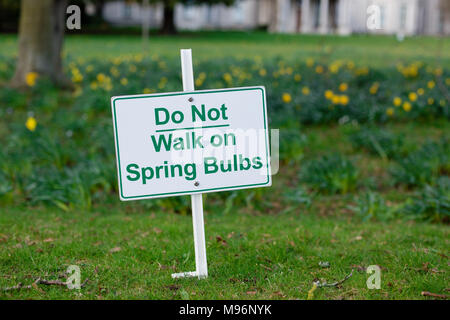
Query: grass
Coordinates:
[253,253]
[261,243]
[249,256]
[370,50]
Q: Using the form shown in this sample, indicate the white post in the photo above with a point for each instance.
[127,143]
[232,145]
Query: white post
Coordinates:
[196,199]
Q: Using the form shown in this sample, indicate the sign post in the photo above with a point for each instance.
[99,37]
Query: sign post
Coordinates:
[201,266]
[189,143]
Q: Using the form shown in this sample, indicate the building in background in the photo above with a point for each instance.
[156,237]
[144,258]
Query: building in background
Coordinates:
[407,17]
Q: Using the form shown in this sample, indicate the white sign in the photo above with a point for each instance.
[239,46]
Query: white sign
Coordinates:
[180,143]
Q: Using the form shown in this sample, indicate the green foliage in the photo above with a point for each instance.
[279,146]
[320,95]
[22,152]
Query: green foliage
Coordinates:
[331,174]
[432,203]
[298,196]
[378,141]
[371,206]
[423,166]
[69,160]
[292,145]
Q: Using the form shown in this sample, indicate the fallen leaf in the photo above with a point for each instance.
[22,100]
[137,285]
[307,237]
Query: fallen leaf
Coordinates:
[221,240]
[173,287]
[115,249]
[49,240]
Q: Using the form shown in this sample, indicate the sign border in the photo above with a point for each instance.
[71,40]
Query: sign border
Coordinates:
[171,194]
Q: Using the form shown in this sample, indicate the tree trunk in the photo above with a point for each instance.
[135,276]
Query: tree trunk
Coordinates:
[169,19]
[41,33]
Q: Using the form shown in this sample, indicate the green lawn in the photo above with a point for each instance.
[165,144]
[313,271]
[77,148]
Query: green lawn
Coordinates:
[385,201]
[249,255]
[370,50]
[267,251]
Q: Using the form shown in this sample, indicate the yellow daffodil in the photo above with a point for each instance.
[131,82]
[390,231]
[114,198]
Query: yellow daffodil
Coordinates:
[412,96]
[430,101]
[305,91]
[390,112]
[420,91]
[374,88]
[31,124]
[227,77]
[319,69]
[198,82]
[430,84]
[297,77]
[262,72]
[101,77]
[343,87]
[328,94]
[94,85]
[286,97]
[124,81]
[343,99]
[407,106]
[30,78]
[335,99]
[397,101]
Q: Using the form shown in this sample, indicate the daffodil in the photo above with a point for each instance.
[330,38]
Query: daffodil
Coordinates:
[390,111]
[286,97]
[397,101]
[328,94]
[305,91]
[101,77]
[227,77]
[374,88]
[412,96]
[343,87]
[343,99]
[430,84]
[30,78]
[297,77]
[407,106]
[335,99]
[31,124]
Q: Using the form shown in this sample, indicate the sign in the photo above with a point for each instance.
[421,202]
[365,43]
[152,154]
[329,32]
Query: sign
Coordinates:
[181,143]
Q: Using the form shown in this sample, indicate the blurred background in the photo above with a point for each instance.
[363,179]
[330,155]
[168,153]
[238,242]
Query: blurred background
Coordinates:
[358,88]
